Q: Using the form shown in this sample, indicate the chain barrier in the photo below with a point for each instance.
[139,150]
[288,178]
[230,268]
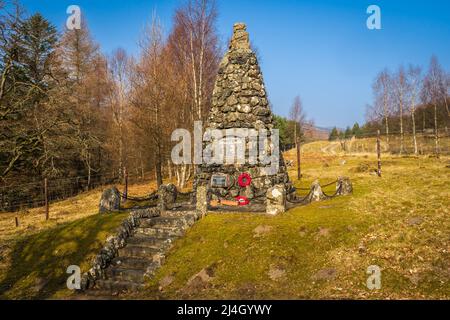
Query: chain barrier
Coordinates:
[150,197]
[333,195]
[297,200]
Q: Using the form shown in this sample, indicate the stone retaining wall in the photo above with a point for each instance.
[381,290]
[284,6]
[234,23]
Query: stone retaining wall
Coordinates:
[113,243]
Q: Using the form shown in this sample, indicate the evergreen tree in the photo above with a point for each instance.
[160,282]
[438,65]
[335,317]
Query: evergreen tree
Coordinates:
[36,50]
[26,51]
[281,124]
[356,130]
[333,134]
[348,133]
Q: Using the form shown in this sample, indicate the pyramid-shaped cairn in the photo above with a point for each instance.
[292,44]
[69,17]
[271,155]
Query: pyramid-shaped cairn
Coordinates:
[239,101]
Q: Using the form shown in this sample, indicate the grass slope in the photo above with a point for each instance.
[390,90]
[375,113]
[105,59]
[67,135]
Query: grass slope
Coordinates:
[38,262]
[398,222]
[34,257]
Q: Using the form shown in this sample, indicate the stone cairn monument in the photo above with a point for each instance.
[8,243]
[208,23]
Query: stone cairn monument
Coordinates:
[240,101]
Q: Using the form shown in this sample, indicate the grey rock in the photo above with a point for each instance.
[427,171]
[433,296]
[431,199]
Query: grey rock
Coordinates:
[276,200]
[344,186]
[110,200]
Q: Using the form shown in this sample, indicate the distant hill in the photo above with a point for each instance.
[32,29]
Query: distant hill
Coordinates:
[317,133]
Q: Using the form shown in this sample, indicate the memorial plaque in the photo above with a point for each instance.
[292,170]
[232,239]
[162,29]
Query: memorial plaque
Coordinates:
[219,181]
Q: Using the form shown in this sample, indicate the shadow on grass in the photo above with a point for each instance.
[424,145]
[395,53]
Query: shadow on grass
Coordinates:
[39,262]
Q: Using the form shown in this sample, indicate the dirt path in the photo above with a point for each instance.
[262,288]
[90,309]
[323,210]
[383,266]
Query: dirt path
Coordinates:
[330,148]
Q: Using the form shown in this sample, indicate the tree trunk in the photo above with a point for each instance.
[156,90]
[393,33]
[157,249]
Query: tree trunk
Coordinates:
[414,130]
[121,164]
[423,122]
[142,166]
[169,169]
[89,178]
[401,127]
[387,131]
[436,134]
[295,135]
[183,176]
[446,107]
[178,176]
[159,179]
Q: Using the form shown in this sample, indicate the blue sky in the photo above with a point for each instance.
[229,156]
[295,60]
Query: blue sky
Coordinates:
[321,50]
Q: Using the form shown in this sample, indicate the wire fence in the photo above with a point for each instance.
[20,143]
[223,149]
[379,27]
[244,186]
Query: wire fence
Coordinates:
[422,143]
[19,196]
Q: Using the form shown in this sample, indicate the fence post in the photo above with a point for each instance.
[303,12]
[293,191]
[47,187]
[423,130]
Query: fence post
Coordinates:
[17,221]
[46,199]
[125,192]
[299,170]
[379,153]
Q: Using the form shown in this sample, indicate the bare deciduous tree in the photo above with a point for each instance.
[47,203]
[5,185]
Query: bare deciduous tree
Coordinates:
[382,92]
[399,83]
[414,80]
[432,93]
[298,117]
[195,25]
[119,71]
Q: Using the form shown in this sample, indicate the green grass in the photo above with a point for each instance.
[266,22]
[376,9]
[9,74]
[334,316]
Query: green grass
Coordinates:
[38,262]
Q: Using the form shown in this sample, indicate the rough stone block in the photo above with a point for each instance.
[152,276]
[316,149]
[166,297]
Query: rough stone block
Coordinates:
[316,192]
[344,186]
[276,200]
[110,200]
[167,195]
[202,200]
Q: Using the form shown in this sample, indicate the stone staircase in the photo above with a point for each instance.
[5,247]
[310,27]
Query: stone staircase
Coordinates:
[143,254]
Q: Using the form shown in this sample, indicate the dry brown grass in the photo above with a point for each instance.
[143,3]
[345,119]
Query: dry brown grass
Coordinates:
[80,206]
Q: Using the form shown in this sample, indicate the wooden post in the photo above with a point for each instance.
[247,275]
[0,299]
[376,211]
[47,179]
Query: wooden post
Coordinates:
[17,221]
[125,192]
[46,199]
[299,170]
[379,153]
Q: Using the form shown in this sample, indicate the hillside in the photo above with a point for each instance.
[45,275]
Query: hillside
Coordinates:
[398,222]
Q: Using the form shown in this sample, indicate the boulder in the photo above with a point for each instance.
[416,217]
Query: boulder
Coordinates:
[316,192]
[276,200]
[202,200]
[110,200]
[167,196]
[344,186]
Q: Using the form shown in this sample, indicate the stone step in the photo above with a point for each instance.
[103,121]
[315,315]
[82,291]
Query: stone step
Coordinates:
[132,263]
[143,254]
[144,240]
[180,222]
[118,287]
[152,267]
[138,251]
[161,232]
[183,214]
[124,274]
